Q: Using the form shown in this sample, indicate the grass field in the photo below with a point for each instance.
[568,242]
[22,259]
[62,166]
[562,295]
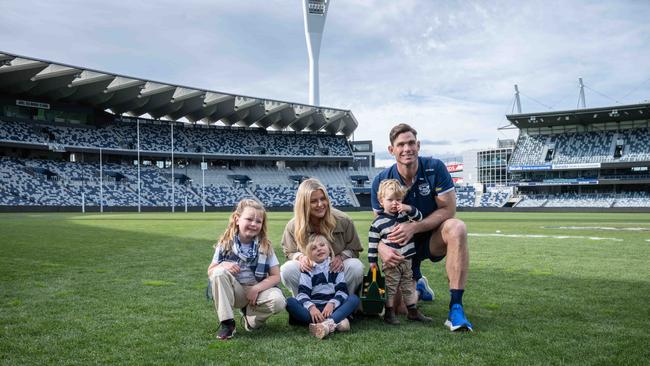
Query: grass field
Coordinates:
[129,289]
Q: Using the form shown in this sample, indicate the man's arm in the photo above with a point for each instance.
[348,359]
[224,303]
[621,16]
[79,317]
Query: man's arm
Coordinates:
[446,210]
[403,233]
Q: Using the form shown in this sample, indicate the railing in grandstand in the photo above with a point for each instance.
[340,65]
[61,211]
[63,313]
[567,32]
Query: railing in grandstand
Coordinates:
[155,137]
[583,147]
[32,182]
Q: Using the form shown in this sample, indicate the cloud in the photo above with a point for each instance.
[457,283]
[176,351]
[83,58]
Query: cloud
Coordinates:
[431,142]
[467,141]
[411,96]
[447,68]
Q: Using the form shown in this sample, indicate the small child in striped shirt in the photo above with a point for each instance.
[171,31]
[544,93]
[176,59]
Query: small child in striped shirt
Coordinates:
[323,300]
[390,194]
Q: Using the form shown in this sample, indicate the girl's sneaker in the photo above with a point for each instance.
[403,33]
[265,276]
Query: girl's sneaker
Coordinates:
[244,319]
[227,329]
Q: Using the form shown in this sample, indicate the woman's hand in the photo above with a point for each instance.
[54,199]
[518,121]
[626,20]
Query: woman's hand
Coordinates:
[252,294]
[316,315]
[336,265]
[231,267]
[328,310]
[305,263]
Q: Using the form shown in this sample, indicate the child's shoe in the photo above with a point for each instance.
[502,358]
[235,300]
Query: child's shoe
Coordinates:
[390,317]
[415,315]
[227,329]
[244,319]
[343,326]
[321,330]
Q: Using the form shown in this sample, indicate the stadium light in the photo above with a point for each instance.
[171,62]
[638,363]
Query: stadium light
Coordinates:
[314,14]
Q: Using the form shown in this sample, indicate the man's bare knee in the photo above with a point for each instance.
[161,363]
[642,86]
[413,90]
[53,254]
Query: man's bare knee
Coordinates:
[455,230]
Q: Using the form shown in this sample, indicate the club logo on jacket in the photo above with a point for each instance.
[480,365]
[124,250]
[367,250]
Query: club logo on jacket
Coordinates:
[424,189]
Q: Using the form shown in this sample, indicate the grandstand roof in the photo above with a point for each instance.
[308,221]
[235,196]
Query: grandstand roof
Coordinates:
[40,79]
[620,113]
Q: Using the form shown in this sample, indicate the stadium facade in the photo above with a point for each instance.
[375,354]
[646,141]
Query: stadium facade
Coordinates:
[73,138]
[597,157]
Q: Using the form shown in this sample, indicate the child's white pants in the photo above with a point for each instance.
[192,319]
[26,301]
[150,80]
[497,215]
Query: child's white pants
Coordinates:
[229,294]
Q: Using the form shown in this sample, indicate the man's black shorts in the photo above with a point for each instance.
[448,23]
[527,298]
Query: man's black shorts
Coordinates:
[422,252]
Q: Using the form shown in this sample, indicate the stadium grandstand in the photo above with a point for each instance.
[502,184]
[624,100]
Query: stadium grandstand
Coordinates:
[597,157]
[73,137]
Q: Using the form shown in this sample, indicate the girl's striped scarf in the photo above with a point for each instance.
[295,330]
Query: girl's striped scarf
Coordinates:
[258,262]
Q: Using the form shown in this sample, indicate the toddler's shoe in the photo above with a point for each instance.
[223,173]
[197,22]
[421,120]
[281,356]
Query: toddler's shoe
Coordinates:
[321,330]
[390,317]
[416,315]
[343,326]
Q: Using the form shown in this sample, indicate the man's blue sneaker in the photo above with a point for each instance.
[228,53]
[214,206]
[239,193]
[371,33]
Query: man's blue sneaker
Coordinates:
[457,319]
[425,293]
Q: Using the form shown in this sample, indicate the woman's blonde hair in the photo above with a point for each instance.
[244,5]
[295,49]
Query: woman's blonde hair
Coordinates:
[302,211]
[227,238]
[315,238]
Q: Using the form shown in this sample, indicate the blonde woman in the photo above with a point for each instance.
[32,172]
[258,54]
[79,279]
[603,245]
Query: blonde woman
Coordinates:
[314,214]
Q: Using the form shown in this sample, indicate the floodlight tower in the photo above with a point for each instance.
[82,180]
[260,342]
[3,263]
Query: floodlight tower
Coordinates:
[314,13]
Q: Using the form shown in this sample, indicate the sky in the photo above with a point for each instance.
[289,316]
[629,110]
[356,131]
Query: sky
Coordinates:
[448,68]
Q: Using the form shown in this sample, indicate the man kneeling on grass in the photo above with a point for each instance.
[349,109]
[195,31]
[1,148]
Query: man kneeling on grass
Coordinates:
[439,234]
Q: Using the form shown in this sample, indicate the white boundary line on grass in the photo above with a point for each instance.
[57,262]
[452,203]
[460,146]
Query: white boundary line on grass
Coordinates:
[608,228]
[539,236]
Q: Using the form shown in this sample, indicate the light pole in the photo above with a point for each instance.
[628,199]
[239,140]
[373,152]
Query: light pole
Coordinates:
[314,14]
[204,166]
[139,193]
[173,203]
[101,182]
